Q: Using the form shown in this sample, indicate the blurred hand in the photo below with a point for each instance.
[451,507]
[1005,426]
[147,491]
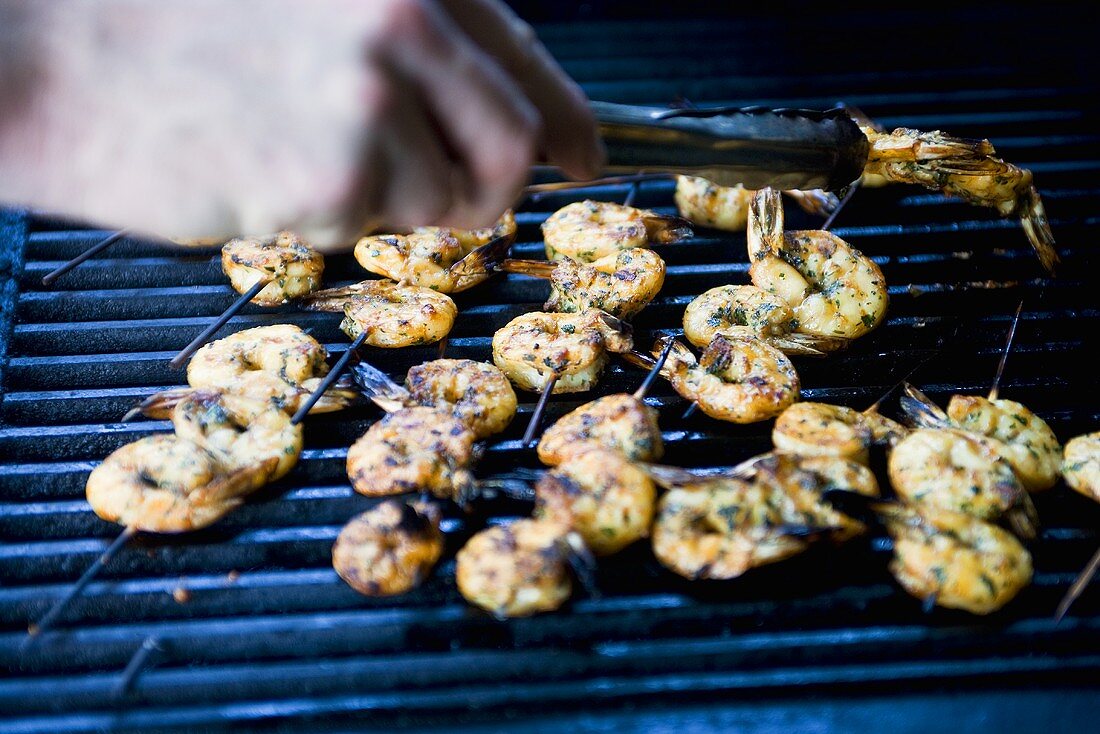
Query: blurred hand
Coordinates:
[199,117]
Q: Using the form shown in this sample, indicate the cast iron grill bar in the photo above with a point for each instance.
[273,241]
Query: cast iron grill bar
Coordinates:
[269,633]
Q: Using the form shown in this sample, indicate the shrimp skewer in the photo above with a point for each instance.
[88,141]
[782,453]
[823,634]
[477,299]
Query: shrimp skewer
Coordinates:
[621,283]
[444,260]
[390,549]
[968,169]
[267,271]
[586,231]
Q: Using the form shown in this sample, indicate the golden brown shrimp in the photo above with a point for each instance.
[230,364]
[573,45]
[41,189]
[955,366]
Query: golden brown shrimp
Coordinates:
[166,484]
[602,496]
[954,559]
[389,549]
[533,347]
[414,450]
[291,267]
[820,429]
[735,380]
[1022,438]
[1081,465]
[747,311]
[516,570]
[241,432]
[391,315]
[622,283]
[727,207]
[280,364]
[589,230]
[476,393]
[444,260]
[832,288]
[954,470]
[620,422]
[968,169]
[720,527]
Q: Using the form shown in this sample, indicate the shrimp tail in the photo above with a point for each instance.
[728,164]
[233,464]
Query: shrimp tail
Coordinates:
[581,562]
[667,229]
[817,202]
[158,406]
[671,477]
[476,266]
[921,410]
[229,489]
[379,388]
[510,487]
[332,300]
[535,268]
[1033,218]
[618,335]
[765,227]
[340,395]
[679,354]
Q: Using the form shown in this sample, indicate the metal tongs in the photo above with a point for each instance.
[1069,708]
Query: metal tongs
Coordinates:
[755,146]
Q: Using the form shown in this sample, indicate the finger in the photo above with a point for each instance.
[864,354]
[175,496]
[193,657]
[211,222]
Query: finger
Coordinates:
[489,125]
[571,139]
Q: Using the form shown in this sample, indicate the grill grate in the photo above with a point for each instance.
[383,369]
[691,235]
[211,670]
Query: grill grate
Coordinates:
[270,634]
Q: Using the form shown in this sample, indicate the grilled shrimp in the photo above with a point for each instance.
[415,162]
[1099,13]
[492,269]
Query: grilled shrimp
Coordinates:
[747,311]
[735,380]
[445,260]
[476,393]
[619,422]
[720,527]
[280,364]
[727,207]
[589,230]
[602,496]
[1022,438]
[955,559]
[392,315]
[954,470]
[516,570]
[241,432]
[533,347]
[388,549]
[968,169]
[166,484]
[292,267]
[832,288]
[622,283]
[819,429]
[413,450]
[1081,465]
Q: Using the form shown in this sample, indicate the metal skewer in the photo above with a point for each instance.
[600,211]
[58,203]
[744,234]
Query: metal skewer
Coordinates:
[53,275]
[209,331]
[540,406]
[137,664]
[58,608]
[1078,587]
[330,378]
[654,371]
[994,390]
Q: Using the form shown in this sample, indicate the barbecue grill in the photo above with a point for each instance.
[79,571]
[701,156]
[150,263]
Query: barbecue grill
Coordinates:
[244,626]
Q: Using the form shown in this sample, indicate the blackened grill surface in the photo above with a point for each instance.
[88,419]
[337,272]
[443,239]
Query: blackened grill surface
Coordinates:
[269,637]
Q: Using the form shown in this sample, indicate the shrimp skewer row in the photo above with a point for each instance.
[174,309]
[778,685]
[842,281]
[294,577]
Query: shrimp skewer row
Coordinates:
[267,271]
[1081,470]
[279,364]
[739,380]
[475,392]
[445,260]
[588,230]
[832,289]
[621,283]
